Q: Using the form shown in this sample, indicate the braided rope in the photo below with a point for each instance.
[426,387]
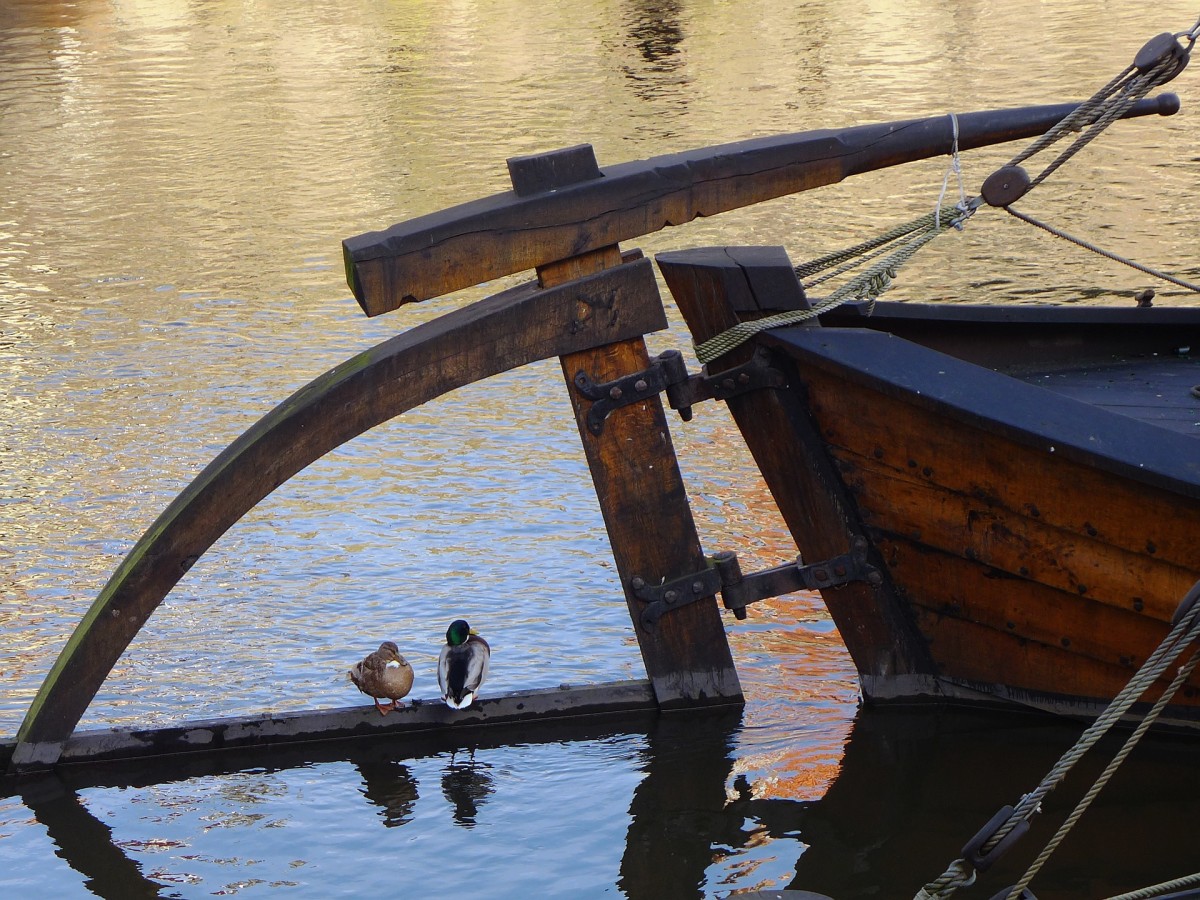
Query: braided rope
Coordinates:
[867,285]
[1181,676]
[1097,113]
[1157,890]
[805,270]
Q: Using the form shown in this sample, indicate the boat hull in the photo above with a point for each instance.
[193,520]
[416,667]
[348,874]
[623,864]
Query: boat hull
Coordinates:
[1040,544]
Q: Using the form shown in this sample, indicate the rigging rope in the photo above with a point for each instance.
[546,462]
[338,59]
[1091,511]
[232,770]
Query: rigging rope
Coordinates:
[1184,633]
[1158,890]
[1154,65]
[1087,245]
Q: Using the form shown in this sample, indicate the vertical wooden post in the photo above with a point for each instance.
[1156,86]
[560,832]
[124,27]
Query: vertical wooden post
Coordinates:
[715,288]
[638,482]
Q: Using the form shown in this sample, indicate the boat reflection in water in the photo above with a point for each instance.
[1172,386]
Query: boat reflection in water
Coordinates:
[913,787]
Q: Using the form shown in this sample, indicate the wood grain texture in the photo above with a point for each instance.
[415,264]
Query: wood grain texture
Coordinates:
[510,232]
[1057,492]
[648,518]
[415,719]
[710,285]
[1025,566]
[511,329]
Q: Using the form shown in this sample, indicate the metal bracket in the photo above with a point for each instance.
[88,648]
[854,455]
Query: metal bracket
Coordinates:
[738,590]
[752,375]
[665,369]
[668,372]
[661,598]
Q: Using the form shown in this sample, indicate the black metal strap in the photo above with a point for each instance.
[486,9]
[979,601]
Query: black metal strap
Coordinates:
[665,369]
[752,375]
[668,372]
[739,590]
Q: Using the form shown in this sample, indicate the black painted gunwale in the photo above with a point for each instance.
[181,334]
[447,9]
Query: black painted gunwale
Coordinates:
[1030,338]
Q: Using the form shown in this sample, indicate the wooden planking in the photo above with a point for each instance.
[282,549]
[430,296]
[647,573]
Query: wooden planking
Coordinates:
[1013,541]
[969,652]
[1158,390]
[651,529]
[1139,518]
[710,285]
[1033,339]
[969,519]
[999,405]
[510,232]
[926,484]
[510,329]
[948,585]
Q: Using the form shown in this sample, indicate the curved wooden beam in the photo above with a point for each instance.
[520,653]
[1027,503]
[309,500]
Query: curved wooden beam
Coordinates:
[508,330]
[511,232]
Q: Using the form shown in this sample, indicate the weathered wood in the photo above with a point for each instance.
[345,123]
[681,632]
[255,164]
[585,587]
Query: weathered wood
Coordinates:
[975,654]
[415,718]
[1014,541]
[475,242]
[1001,535]
[1159,390]
[516,327]
[1002,405]
[1043,544]
[951,586]
[646,511]
[710,285]
[550,171]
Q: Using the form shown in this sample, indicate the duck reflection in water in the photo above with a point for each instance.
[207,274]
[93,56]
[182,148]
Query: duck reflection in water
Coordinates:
[391,786]
[466,785]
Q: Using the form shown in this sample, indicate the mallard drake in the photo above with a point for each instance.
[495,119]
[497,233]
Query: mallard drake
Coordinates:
[462,665]
[384,673]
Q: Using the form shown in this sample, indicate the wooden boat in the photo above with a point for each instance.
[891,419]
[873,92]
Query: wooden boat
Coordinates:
[979,526]
[1027,478]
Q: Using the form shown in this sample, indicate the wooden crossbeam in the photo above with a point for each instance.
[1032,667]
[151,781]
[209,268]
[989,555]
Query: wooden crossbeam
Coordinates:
[416,718]
[587,207]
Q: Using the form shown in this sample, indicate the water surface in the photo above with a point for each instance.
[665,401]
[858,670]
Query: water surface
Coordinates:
[175,181]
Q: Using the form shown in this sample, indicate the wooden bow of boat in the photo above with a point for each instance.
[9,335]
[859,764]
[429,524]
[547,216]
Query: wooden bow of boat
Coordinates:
[1027,478]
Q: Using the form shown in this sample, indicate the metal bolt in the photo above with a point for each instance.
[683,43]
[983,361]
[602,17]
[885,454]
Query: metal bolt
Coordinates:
[697,587]
[638,582]
[639,385]
[744,378]
[671,596]
[615,393]
[727,384]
